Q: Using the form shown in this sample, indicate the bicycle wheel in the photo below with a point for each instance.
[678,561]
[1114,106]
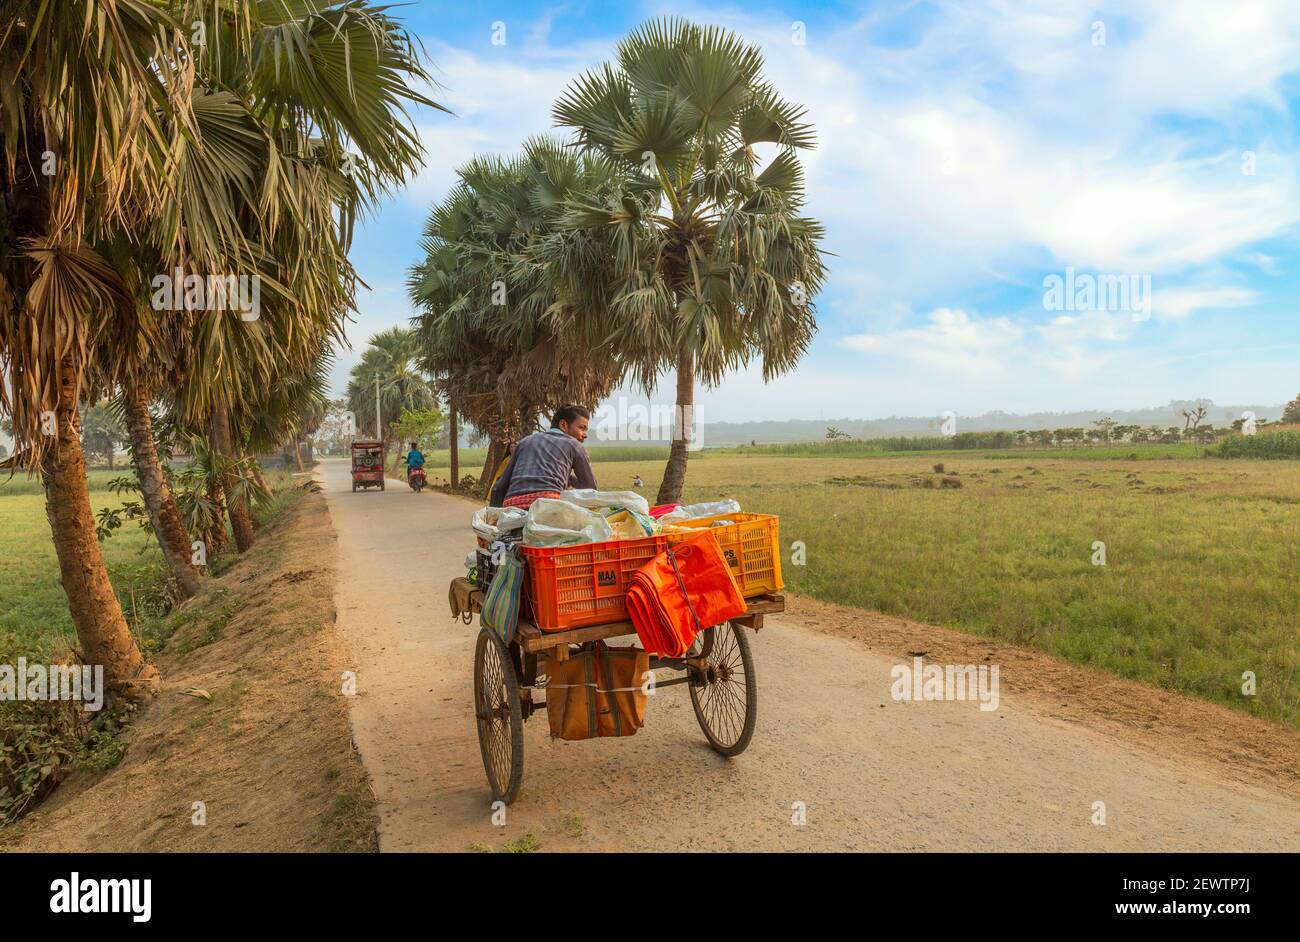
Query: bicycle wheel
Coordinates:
[499,716]
[724,694]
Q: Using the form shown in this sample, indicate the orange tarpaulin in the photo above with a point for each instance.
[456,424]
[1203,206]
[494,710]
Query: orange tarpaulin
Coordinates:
[682,591]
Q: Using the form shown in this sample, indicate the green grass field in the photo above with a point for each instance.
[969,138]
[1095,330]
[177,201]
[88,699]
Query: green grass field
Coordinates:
[1200,577]
[874,448]
[34,619]
[1199,583]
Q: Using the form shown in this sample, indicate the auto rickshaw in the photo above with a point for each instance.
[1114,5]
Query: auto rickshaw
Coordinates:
[367,465]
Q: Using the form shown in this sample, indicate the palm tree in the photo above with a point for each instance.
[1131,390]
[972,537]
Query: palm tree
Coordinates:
[232,156]
[713,262]
[291,407]
[207,484]
[140,353]
[494,328]
[83,152]
[101,432]
[160,503]
[299,88]
[389,367]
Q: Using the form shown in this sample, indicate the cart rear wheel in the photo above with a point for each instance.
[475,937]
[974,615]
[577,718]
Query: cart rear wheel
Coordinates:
[724,695]
[499,716]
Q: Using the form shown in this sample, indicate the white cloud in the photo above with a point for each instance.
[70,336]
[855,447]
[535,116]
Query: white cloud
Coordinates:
[1004,133]
[1178,303]
[953,341]
[1266,263]
[1066,329]
[499,97]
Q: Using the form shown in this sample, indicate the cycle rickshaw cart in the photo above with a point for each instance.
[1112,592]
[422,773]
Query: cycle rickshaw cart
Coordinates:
[718,670]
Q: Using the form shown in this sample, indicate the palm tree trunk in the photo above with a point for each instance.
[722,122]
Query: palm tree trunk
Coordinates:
[257,473]
[256,470]
[490,467]
[670,491]
[102,629]
[241,522]
[219,540]
[297,456]
[163,512]
[453,445]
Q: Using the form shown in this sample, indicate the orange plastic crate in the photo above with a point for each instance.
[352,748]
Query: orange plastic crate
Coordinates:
[575,586]
[750,546]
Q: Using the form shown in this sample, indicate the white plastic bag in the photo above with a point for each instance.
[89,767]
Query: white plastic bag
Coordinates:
[492,523]
[706,509]
[560,523]
[595,500]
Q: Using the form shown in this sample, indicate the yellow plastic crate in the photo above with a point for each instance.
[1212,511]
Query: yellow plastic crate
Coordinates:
[750,546]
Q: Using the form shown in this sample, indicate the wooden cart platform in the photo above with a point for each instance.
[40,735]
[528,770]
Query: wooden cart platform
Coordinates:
[533,640]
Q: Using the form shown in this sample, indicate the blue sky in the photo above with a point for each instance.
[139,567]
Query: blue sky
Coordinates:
[966,152]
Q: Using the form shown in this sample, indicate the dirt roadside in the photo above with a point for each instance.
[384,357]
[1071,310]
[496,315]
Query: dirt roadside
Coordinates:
[270,754]
[1241,747]
[870,773]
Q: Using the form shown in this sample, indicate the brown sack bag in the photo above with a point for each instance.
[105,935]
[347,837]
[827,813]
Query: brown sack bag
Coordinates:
[597,693]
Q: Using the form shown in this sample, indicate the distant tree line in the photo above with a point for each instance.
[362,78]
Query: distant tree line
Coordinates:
[1104,432]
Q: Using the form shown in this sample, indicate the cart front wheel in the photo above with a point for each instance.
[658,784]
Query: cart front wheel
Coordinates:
[724,694]
[499,715]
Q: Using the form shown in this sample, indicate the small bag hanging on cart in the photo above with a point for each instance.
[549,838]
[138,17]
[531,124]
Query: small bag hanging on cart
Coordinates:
[598,692]
[504,596]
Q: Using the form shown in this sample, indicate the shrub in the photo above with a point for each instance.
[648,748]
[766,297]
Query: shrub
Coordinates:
[39,742]
[1262,445]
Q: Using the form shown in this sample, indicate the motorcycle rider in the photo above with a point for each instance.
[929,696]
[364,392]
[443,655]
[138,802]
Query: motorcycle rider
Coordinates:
[414,459]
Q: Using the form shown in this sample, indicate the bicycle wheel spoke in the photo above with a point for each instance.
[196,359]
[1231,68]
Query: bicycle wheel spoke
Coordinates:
[723,713]
[497,716]
[723,695]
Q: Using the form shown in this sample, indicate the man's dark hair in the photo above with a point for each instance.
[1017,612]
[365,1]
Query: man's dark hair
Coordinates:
[568,414]
[415,444]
